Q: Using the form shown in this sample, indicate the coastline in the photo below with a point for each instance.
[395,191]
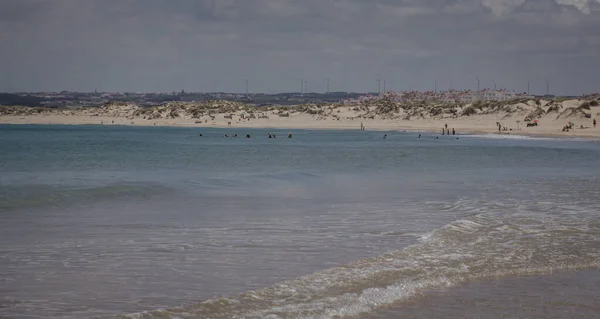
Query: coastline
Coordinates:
[471,126]
[563,119]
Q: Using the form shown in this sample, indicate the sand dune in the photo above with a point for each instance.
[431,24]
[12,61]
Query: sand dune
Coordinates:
[479,117]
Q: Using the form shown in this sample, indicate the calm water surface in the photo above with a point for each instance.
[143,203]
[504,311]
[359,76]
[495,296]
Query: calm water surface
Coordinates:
[133,222]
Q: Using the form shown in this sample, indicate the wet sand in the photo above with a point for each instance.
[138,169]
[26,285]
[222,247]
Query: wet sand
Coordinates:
[560,295]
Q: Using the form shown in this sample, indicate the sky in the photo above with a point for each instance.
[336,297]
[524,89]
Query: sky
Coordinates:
[216,45]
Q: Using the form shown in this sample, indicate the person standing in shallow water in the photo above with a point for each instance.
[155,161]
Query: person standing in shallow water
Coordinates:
[453,131]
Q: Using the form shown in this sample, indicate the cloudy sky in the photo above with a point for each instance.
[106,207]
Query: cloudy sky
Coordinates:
[214,45]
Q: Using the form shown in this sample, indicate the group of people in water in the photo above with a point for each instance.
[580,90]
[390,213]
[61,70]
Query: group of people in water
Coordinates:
[249,136]
[446,130]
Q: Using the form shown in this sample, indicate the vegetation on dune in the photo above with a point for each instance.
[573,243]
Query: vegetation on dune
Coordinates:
[584,106]
[554,108]
[23,110]
[436,111]
[469,110]
[525,109]
[535,114]
[573,112]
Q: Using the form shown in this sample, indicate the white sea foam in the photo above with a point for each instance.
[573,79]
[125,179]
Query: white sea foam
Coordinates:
[478,247]
[509,136]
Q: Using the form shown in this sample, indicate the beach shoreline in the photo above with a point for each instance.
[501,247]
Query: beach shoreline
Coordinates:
[370,125]
[563,119]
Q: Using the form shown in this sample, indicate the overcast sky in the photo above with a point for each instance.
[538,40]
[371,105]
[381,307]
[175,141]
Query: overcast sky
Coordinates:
[214,45]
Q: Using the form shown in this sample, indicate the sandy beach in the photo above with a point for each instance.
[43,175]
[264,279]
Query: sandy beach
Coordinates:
[483,117]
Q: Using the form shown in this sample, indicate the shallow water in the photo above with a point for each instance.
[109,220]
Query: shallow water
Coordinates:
[160,222]
[559,295]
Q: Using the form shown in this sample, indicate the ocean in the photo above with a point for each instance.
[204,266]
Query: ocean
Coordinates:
[160,222]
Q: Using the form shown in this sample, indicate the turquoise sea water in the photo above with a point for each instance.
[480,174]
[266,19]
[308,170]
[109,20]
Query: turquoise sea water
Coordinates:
[110,221]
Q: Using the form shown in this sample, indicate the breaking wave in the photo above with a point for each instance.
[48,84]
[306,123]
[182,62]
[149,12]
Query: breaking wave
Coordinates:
[482,246]
[508,136]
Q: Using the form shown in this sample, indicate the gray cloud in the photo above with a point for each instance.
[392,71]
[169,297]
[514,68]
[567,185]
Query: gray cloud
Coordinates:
[209,45]
[581,5]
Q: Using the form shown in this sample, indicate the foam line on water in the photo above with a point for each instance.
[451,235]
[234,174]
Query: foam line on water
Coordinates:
[478,247]
[508,137]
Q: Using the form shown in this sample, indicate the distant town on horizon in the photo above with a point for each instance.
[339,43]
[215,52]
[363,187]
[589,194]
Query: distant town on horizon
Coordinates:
[97,98]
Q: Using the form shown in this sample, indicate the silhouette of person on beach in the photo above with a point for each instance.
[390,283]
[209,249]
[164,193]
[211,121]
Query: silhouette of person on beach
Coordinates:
[594,122]
[453,132]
